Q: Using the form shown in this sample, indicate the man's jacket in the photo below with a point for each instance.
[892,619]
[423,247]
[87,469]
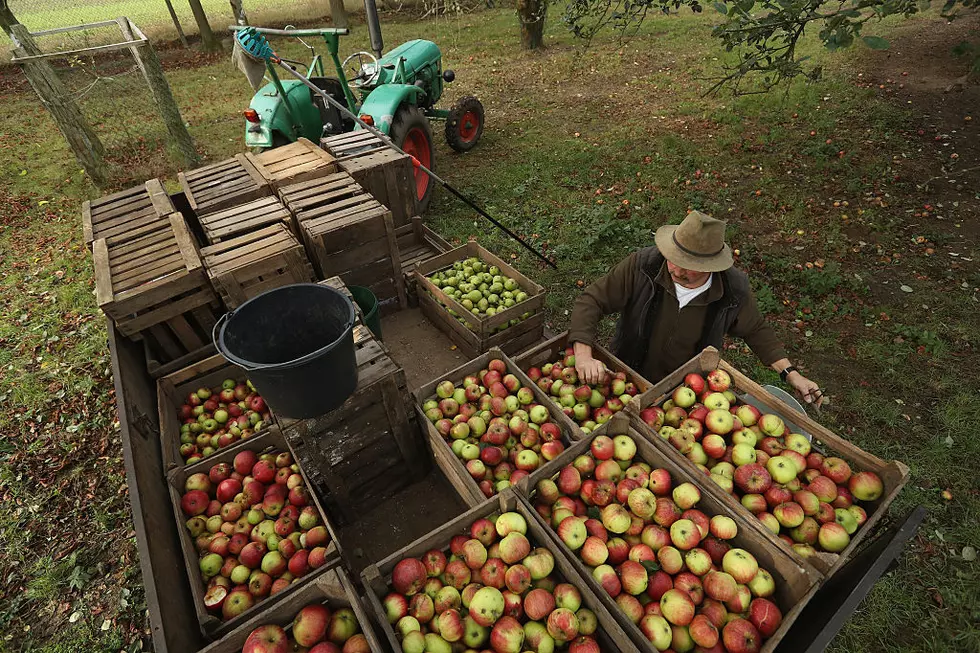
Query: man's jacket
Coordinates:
[653,336]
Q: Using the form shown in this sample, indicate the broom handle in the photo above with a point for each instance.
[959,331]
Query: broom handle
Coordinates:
[415,162]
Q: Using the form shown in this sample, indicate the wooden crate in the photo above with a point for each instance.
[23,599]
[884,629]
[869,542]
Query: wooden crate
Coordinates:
[442,452]
[223,185]
[173,388]
[128,214]
[333,588]
[250,264]
[894,474]
[348,234]
[377,578]
[368,449]
[548,351]
[796,581]
[417,244]
[211,626]
[246,218]
[155,289]
[293,163]
[386,174]
[482,335]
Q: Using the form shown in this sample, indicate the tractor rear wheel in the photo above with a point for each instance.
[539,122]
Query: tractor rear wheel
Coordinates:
[464,126]
[410,131]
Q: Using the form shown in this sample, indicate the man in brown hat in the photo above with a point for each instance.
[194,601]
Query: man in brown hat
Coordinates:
[675,299]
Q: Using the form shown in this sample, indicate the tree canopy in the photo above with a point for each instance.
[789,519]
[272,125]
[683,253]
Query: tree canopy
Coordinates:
[762,34]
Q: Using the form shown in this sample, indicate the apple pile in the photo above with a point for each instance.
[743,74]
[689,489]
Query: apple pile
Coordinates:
[254,528]
[480,289]
[316,628]
[590,405]
[494,592]
[805,498]
[669,567]
[213,418]
[495,427]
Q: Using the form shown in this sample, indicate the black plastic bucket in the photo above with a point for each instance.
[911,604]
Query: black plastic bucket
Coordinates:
[297,345]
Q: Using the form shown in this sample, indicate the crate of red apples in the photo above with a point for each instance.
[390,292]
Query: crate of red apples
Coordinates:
[551,365]
[324,616]
[488,426]
[819,498]
[207,407]
[251,530]
[489,580]
[676,566]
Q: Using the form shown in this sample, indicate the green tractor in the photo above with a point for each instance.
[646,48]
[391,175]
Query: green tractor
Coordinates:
[396,93]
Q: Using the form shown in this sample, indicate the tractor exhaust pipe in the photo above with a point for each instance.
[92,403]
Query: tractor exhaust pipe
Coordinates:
[374,27]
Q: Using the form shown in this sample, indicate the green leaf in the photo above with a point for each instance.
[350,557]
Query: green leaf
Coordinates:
[721,8]
[876,42]
[650,566]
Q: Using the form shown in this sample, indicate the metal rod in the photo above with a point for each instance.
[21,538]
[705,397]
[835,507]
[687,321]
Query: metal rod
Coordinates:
[415,162]
[294,32]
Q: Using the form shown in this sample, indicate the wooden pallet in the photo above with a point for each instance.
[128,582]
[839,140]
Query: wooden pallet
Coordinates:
[482,334]
[128,214]
[223,185]
[368,449]
[894,474]
[383,172]
[333,588]
[251,216]
[377,578]
[212,627]
[551,350]
[347,233]
[250,264]
[796,581]
[293,163]
[154,288]
[442,452]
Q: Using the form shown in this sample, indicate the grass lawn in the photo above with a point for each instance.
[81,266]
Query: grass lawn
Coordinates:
[866,265]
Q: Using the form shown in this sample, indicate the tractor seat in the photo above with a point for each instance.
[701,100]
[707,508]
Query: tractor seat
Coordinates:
[333,121]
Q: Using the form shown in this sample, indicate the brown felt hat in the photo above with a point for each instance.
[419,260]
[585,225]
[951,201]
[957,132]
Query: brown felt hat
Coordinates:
[697,243]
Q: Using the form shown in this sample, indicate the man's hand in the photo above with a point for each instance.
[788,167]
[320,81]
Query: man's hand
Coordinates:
[589,370]
[807,389]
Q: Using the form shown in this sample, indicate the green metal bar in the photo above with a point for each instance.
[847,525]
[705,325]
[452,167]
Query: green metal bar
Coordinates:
[333,47]
[438,114]
[285,100]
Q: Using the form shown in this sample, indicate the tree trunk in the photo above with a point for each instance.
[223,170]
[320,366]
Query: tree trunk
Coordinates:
[531,14]
[208,40]
[173,17]
[239,12]
[6,17]
[339,13]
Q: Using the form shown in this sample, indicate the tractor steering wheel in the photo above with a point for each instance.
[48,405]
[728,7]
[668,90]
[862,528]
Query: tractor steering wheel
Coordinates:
[365,73]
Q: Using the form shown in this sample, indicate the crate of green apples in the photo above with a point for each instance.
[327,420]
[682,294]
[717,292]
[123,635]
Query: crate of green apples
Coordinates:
[818,499]
[207,407]
[551,365]
[324,616]
[252,530]
[488,426]
[480,301]
[676,566]
[490,580]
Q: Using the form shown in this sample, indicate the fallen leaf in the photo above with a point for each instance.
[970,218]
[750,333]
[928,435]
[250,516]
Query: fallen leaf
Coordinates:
[905,288]
[969,553]
[75,616]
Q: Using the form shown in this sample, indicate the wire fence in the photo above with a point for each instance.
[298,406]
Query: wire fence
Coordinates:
[154,17]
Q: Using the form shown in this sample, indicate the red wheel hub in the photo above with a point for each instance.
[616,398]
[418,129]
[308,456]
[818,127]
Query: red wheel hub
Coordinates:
[469,125]
[417,145]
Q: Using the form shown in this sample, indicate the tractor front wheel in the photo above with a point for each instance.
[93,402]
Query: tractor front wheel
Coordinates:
[464,126]
[410,131]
